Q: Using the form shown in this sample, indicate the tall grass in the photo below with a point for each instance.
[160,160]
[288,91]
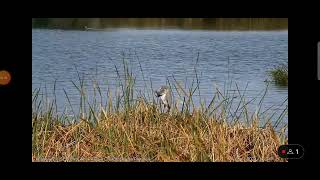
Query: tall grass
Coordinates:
[134,128]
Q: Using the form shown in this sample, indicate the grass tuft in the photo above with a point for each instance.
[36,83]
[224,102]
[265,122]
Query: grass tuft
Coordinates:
[280,75]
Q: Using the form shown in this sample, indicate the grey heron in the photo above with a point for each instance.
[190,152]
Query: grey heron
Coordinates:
[165,95]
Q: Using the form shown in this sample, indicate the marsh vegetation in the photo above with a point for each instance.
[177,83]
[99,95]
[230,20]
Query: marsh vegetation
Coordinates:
[135,128]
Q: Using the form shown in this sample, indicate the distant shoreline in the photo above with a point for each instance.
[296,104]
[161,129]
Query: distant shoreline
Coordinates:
[162,28]
[179,23]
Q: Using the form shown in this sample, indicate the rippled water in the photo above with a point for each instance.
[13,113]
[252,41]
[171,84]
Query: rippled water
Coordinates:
[241,56]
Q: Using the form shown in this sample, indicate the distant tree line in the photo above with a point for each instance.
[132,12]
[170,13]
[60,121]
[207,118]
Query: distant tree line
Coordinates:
[192,23]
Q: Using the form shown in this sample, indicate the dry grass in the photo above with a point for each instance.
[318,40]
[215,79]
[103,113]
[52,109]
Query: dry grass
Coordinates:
[136,129]
[149,135]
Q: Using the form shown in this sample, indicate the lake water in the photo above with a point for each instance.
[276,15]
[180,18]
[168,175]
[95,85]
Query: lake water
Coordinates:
[241,56]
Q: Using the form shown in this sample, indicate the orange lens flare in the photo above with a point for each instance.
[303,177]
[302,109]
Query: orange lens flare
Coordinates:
[5,77]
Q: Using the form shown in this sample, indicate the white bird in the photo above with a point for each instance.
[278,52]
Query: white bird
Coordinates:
[165,95]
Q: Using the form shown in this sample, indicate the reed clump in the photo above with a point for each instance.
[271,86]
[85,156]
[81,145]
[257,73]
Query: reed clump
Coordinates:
[280,75]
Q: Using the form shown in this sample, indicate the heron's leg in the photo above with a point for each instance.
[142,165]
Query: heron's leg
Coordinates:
[168,110]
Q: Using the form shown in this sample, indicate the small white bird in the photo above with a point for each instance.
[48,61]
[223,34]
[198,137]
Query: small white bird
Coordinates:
[165,95]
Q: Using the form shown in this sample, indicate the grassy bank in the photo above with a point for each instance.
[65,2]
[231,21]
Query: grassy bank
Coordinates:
[136,128]
[145,134]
